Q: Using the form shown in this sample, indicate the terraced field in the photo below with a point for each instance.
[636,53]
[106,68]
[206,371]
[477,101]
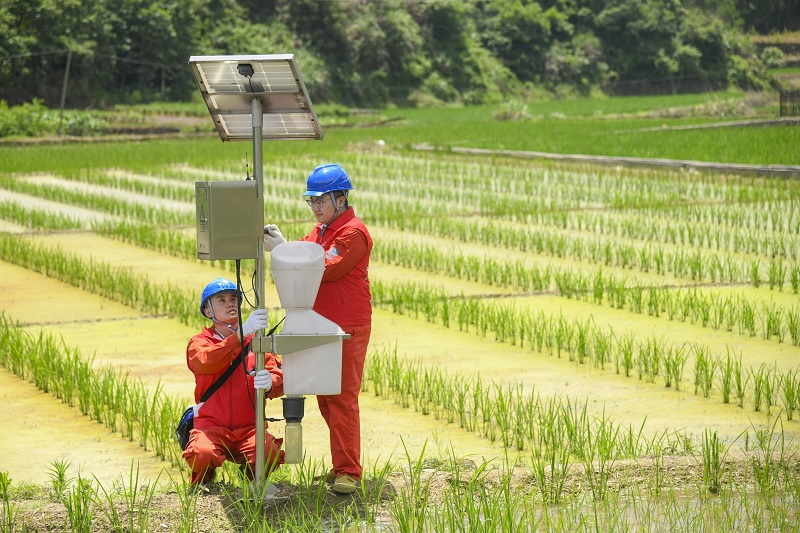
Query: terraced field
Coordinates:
[526,310]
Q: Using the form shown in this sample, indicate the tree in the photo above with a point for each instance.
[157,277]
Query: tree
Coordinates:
[633,32]
[119,49]
[764,16]
[362,52]
[158,40]
[321,27]
[388,52]
[519,34]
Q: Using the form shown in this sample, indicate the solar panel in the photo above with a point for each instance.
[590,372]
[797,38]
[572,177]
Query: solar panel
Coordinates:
[230,83]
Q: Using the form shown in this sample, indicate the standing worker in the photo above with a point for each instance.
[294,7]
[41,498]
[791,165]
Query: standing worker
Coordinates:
[225,424]
[344,298]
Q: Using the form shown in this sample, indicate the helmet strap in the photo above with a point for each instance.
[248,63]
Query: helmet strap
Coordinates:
[335,212]
[221,334]
[216,321]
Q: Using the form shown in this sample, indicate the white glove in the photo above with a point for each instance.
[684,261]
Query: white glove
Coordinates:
[272,237]
[256,321]
[262,380]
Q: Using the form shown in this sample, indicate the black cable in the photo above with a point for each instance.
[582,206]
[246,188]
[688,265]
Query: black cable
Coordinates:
[239,317]
[253,283]
[241,331]
[252,401]
[252,288]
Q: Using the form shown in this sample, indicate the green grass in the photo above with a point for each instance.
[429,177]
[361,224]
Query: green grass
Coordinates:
[784,70]
[581,126]
[624,137]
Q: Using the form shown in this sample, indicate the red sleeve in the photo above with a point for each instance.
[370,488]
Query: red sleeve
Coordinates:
[206,357]
[272,364]
[344,252]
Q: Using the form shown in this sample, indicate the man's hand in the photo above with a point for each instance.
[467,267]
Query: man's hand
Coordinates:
[262,380]
[256,321]
[272,237]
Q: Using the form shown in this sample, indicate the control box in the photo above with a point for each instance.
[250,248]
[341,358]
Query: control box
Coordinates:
[230,219]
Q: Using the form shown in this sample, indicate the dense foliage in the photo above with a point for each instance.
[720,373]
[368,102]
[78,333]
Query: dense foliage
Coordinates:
[373,53]
[34,119]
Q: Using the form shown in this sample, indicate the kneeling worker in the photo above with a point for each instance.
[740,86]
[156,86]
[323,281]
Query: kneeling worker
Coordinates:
[224,425]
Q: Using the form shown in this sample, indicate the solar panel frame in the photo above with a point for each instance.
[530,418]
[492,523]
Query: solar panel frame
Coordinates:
[276,82]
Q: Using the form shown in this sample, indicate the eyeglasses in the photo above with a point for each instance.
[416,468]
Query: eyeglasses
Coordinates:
[316,203]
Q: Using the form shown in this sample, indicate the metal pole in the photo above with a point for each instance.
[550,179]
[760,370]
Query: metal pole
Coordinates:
[64,92]
[258,170]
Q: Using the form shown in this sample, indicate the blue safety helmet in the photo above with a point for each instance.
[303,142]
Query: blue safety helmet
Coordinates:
[327,178]
[215,287]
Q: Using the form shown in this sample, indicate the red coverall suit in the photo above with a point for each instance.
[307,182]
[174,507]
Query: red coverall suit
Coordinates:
[344,297]
[224,426]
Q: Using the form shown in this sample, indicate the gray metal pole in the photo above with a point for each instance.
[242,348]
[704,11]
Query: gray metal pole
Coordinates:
[258,170]
[64,93]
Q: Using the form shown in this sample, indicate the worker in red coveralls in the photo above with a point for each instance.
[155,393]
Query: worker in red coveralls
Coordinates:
[224,426]
[344,298]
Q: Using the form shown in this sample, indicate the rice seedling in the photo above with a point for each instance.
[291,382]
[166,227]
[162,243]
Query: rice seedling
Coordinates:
[741,378]
[793,325]
[78,502]
[582,347]
[550,458]
[602,343]
[8,511]
[674,362]
[599,455]
[657,351]
[187,500]
[249,503]
[789,393]
[30,217]
[776,275]
[758,377]
[771,383]
[626,349]
[747,317]
[138,500]
[701,363]
[726,376]
[794,278]
[563,335]
[59,479]
[709,372]
[410,509]
[574,420]
[773,322]
[713,455]
[770,455]
[374,488]
[657,478]
[755,273]
[636,294]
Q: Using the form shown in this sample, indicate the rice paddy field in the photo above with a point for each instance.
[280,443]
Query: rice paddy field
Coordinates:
[555,347]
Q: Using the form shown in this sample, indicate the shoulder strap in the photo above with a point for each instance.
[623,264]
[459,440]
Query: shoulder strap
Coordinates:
[220,380]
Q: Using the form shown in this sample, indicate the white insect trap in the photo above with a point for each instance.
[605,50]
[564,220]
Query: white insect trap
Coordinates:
[297,269]
[311,345]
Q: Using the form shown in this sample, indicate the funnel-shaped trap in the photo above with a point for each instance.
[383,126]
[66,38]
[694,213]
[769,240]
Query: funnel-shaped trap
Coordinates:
[309,367]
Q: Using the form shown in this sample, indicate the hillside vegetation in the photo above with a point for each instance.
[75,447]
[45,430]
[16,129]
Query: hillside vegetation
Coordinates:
[375,53]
